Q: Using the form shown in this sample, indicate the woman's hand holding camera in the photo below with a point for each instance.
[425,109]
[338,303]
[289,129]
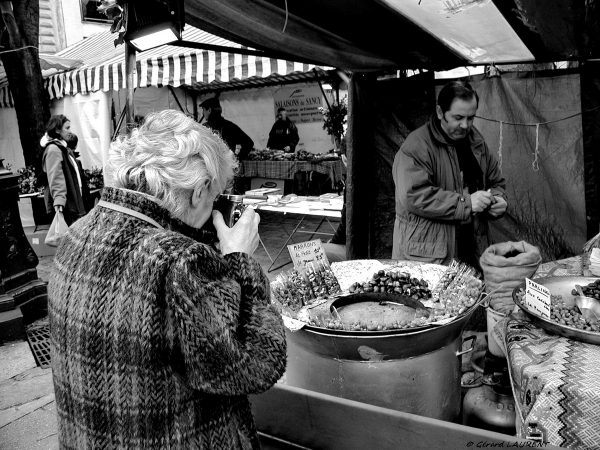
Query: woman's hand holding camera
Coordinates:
[242,237]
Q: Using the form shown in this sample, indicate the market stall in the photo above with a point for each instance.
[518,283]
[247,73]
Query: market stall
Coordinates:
[92,91]
[554,361]
[277,165]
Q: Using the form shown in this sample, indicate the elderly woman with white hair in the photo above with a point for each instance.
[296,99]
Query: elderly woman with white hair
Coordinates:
[157,337]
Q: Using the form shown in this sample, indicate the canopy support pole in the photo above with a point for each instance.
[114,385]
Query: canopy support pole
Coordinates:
[590,100]
[359,178]
[130,73]
[176,99]
[119,123]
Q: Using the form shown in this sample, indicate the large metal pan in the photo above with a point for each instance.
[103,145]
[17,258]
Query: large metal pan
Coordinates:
[560,286]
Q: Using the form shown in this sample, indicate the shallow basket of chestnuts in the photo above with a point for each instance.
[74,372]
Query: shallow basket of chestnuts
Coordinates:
[566,319]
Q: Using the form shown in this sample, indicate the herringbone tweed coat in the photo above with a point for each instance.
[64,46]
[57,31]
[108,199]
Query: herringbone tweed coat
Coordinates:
[157,339]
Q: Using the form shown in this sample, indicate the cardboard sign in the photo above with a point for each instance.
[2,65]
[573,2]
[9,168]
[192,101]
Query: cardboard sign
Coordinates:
[307,252]
[537,298]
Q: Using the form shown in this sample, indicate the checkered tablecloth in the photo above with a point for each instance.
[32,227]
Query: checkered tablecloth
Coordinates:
[285,170]
[556,381]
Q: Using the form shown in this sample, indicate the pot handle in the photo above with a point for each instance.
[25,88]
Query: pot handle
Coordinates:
[473,339]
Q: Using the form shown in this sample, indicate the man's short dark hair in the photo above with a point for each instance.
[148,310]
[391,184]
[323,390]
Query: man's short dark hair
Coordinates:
[453,90]
[72,141]
[281,109]
[55,124]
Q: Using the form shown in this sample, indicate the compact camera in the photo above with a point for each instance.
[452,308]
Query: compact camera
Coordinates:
[231,207]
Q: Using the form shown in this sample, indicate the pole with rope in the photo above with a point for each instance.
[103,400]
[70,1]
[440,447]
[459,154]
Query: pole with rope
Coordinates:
[130,74]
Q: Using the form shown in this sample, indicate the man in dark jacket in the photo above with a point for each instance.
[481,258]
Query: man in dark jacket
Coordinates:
[229,131]
[284,134]
[448,184]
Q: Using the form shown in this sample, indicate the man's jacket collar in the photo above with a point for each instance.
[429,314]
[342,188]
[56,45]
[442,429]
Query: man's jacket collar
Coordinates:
[435,129]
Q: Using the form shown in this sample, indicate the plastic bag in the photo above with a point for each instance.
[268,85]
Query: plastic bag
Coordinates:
[505,266]
[58,228]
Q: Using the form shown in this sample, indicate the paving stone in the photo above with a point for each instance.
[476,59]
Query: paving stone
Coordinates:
[33,431]
[25,387]
[14,413]
[15,357]
[44,268]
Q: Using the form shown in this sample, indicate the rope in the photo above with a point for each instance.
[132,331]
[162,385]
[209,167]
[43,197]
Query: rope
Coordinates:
[539,123]
[287,14]
[500,147]
[18,49]
[535,164]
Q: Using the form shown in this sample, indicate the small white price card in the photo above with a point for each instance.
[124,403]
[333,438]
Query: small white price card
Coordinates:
[303,253]
[537,298]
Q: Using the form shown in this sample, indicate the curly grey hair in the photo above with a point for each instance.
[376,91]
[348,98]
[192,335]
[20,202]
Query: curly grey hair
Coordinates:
[170,156]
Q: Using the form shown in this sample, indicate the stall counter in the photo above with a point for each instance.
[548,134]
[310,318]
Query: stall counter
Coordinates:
[555,380]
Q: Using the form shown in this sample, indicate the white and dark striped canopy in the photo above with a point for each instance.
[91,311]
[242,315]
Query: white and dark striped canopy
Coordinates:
[103,67]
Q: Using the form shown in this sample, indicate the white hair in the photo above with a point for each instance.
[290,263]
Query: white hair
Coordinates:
[170,156]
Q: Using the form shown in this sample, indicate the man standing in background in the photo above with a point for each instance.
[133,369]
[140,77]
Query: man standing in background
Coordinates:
[284,134]
[239,142]
[448,185]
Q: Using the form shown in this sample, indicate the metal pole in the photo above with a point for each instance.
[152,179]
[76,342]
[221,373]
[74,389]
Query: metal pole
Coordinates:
[130,74]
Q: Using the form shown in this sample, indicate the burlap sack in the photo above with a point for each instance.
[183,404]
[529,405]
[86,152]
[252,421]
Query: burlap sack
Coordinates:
[505,266]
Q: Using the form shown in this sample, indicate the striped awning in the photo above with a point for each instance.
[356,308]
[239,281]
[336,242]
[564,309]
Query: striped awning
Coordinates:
[103,67]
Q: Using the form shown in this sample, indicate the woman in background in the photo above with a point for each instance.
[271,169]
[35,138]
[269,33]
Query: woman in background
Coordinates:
[63,192]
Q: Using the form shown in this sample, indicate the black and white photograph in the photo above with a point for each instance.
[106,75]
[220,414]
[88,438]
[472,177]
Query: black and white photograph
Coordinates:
[285,224]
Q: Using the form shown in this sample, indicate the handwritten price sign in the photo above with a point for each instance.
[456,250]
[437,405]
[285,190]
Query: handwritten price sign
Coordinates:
[307,252]
[537,298]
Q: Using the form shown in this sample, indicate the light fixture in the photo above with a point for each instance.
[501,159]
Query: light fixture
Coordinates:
[152,23]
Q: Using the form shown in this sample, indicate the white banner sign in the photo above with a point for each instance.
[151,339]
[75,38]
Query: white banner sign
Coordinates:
[302,103]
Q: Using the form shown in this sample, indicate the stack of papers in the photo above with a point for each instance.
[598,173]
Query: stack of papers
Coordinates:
[595,262]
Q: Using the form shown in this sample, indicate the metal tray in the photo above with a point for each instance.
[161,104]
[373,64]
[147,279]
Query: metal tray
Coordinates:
[560,286]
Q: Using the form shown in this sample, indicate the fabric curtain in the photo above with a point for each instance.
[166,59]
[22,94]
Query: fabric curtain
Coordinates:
[547,206]
[546,193]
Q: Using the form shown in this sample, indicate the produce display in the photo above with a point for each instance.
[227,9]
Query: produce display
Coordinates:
[302,287]
[280,155]
[397,282]
[302,294]
[458,290]
[591,290]
[421,319]
[570,315]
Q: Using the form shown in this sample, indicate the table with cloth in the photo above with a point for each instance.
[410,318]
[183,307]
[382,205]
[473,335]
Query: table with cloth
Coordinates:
[555,380]
[285,170]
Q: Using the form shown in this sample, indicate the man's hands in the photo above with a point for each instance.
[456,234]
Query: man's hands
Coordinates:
[242,237]
[498,208]
[480,201]
[484,200]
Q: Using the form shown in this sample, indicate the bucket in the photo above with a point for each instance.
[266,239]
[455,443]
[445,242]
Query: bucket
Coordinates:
[493,317]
